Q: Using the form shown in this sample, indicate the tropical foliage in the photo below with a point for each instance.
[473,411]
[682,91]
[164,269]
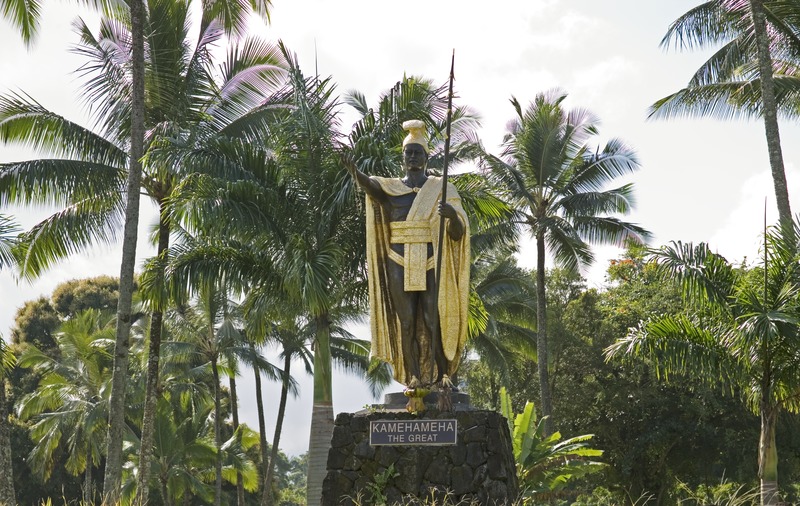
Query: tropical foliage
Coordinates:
[545,463]
[70,405]
[739,333]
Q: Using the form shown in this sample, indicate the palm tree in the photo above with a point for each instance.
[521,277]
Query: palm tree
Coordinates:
[503,299]
[7,494]
[292,347]
[210,105]
[378,134]
[295,210]
[185,454]
[759,39]
[116,411]
[211,332]
[555,180]
[7,362]
[739,333]
[71,401]
[183,93]
[23,15]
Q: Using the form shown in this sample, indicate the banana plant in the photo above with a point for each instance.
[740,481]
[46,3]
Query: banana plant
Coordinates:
[546,464]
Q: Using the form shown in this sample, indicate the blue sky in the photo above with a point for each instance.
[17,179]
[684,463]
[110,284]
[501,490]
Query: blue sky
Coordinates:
[701,179]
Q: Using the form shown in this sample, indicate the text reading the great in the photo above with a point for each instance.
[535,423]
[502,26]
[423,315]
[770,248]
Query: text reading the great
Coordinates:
[412,432]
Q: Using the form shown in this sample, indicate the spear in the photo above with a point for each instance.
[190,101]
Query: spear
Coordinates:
[436,326]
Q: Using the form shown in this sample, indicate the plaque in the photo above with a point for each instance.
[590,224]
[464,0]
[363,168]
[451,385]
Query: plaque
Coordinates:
[413,432]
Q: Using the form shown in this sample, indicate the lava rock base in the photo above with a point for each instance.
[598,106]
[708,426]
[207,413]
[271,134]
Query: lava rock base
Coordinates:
[479,469]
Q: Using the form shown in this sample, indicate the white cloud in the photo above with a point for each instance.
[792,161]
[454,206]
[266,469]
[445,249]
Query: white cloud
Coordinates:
[594,81]
[741,236]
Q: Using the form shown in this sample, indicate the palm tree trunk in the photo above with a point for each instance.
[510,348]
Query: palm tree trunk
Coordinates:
[322,413]
[768,455]
[116,416]
[7,494]
[235,413]
[165,492]
[151,389]
[262,428]
[217,433]
[87,478]
[287,364]
[541,337]
[770,109]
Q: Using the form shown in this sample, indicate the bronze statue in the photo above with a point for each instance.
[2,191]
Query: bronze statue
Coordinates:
[402,236]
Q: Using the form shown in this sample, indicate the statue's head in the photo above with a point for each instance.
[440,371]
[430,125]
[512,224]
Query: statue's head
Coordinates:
[415,145]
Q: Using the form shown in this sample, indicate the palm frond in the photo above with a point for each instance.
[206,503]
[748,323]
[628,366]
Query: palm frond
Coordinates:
[25,121]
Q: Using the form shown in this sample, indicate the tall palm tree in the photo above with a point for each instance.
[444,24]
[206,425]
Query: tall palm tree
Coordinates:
[70,405]
[192,103]
[754,73]
[555,179]
[7,361]
[24,14]
[739,333]
[210,329]
[183,93]
[116,411]
[290,208]
[293,346]
[7,494]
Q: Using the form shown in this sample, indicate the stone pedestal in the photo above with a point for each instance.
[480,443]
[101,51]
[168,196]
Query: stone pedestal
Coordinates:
[480,467]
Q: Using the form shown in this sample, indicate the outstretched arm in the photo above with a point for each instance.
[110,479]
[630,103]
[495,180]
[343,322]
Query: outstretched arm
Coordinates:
[370,186]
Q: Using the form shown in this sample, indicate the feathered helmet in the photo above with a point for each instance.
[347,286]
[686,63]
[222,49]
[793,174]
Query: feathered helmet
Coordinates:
[417,134]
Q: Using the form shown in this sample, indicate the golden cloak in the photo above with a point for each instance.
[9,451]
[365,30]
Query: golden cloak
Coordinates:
[454,290]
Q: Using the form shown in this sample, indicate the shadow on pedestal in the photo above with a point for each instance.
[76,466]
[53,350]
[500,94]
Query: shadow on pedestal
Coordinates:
[397,401]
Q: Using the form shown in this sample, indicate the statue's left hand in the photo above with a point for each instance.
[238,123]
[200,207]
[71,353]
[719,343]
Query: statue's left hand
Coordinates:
[455,228]
[447,210]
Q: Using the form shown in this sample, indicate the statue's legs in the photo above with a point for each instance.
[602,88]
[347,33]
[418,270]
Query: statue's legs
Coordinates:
[428,303]
[405,303]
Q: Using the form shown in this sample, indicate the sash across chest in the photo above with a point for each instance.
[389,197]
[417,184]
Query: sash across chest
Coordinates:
[415,237]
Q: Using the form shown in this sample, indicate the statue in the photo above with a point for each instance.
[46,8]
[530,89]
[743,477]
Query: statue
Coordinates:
[402,242]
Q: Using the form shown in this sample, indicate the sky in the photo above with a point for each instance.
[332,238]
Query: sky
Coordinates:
[700,179]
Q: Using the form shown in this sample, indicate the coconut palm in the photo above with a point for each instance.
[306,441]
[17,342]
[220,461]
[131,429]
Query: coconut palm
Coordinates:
[740,333]
[293,345]
[70,405]
[759,38]
[555,180]
[183,93]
